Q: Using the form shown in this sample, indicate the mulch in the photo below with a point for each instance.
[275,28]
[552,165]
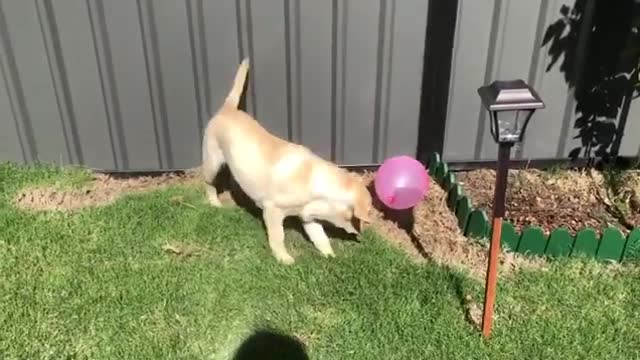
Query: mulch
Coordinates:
[626,192]
[570,199]
[430,231]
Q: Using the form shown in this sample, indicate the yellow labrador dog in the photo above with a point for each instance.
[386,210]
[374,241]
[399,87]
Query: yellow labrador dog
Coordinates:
[284,179]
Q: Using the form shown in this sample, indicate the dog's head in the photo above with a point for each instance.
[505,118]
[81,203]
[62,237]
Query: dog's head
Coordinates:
[357,211]
[348,208]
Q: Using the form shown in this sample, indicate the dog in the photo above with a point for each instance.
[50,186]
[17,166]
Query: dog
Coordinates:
[282,178]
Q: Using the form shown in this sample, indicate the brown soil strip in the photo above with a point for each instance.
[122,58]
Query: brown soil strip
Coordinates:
[571,199]
[103,190]
[429,230]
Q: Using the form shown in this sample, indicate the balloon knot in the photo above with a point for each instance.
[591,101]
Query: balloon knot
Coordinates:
[392,199]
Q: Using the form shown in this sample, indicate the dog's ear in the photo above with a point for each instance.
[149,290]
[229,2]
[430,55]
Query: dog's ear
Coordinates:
[359,197]
[362,205]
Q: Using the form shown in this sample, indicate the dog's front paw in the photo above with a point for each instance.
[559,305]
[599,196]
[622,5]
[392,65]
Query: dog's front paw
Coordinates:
[215,204]
[284,259]
[328,253]
[214,201]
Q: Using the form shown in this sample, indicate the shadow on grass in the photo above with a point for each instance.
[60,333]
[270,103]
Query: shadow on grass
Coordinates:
[403,218]
[269,344]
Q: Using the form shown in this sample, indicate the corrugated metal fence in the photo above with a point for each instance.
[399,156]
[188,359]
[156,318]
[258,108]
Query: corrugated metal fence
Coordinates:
[501,39]
[129,84]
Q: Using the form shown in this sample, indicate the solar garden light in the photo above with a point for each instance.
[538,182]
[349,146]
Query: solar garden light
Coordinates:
[511,105]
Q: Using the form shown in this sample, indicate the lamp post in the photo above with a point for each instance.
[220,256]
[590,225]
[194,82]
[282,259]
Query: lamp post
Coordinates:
[511,105]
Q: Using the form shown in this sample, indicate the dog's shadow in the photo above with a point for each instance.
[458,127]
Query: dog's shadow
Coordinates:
[225,182]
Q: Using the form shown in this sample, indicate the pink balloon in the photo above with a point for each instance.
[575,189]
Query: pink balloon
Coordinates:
[401,182]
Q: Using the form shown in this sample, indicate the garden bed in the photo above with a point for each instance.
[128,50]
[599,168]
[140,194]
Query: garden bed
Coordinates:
[558,213]
[570,199]
[430,230]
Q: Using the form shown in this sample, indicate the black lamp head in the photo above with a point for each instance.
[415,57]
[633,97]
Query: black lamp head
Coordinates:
[506,101]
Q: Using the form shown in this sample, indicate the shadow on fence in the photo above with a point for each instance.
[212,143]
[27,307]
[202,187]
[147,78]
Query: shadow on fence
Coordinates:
[596,44]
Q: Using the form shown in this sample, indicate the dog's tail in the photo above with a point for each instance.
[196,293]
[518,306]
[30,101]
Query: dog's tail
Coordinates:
[233,99]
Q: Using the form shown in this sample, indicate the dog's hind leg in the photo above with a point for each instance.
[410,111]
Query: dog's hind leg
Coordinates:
[212,161]
[318,237]
[273,221]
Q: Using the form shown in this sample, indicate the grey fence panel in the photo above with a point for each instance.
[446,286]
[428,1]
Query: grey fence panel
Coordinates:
[630,145]
[358,79]
[505,46]
[177,75]
[138,125]
[268,50]
[470,58]
[311,74]
[9,140]
[79,92]
[129,85]
[502,40]
[401,82]
[35,92]
[550,129]
[219,29]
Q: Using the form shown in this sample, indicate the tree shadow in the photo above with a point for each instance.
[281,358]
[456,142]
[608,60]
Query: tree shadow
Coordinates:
[597,46]
[268,345]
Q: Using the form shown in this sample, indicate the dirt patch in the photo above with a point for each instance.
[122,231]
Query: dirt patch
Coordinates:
[625,192]
[102,190]
[571,199]
[183,250]
[430,230]
[634,197]
[473,311]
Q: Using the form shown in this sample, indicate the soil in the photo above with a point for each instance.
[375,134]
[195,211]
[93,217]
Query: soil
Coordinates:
[626,195]
[570,199]
[102,190]
[183,250]
[429,230]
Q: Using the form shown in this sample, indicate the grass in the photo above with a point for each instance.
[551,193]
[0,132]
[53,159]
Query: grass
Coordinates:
[97,284]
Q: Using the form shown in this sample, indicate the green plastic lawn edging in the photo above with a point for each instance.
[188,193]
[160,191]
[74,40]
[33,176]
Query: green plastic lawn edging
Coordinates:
[610,246]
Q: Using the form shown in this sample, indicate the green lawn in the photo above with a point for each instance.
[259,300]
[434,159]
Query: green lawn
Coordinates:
[96,284]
